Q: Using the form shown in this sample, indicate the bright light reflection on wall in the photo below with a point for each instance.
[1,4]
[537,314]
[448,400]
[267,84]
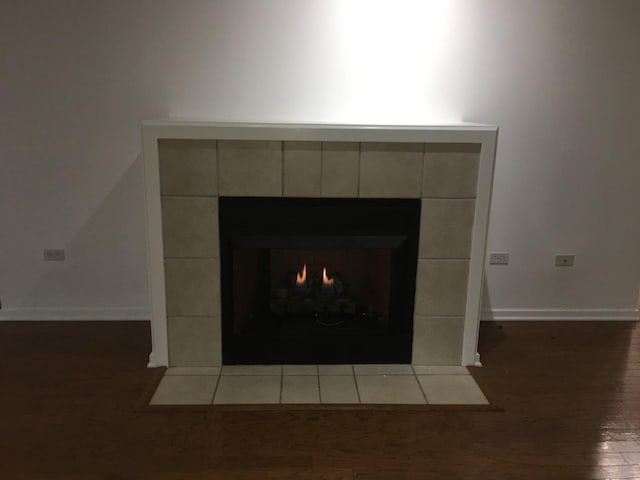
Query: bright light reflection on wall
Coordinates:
[398,59]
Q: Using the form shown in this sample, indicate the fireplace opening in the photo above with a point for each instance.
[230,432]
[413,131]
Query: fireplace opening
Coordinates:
[317,280]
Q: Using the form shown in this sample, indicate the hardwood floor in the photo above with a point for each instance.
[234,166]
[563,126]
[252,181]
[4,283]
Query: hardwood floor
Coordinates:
[570,392]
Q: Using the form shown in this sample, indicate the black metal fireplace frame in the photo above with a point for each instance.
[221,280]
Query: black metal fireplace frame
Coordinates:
[322,222]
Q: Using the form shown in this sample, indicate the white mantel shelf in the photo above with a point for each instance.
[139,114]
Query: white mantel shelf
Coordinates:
[202,129]
[197,129]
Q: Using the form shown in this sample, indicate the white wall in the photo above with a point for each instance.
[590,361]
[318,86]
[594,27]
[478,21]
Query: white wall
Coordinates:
[561,79]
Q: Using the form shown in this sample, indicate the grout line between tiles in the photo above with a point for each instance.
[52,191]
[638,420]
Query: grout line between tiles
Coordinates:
[424,154]
[191,258]
[449,198]
[355,380]
[282,168]
[420,386]
[281,382]
[218,172]
[321,168]
[215,390]
[191,375]
[186,195]
[318,382]
[359,168]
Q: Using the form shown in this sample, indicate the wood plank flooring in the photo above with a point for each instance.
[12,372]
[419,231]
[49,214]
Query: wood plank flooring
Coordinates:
[570,392]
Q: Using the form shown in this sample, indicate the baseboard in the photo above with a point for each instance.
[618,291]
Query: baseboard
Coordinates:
[543,314]
[75,314]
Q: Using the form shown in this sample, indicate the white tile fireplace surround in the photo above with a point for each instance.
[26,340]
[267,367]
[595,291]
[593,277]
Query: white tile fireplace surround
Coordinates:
[189,164]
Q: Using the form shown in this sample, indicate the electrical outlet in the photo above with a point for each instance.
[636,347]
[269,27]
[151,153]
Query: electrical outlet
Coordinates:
[498,258]
[565,260]
[53,255]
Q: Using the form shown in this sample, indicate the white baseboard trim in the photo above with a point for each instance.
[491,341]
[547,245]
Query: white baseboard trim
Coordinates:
[543,314]
[75,314]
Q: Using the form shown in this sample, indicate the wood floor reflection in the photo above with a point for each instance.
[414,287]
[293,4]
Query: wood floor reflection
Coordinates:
[570,392]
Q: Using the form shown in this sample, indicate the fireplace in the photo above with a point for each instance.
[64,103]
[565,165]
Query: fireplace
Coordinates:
[307,281]
[316,243]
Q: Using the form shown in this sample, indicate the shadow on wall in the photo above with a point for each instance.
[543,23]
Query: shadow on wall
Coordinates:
[485,300]
[491,337]
[104,273]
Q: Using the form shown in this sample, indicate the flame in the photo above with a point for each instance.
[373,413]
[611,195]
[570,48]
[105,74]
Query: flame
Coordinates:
[301,278]
[327,283]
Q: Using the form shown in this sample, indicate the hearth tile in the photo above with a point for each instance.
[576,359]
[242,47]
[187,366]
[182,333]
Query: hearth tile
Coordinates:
[340,169]
[300,389]
[185,390]
[194,341]
[441,287]
[300,370]
[192,287]
[451,389]
[388,369]
[450,170]
[391,170]
[338,389]
[190,226]
[437,340]
[244,389]
[250,168]
[440,370]
[445,228]
[252,370]
[188,167]
[302,169]
[398,389]
[335,369]
[193,371]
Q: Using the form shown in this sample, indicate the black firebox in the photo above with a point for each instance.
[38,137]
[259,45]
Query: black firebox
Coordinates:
[317,281]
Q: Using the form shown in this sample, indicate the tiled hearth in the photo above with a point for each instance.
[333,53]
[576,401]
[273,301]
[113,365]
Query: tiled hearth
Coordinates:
[189,165]
[318,384]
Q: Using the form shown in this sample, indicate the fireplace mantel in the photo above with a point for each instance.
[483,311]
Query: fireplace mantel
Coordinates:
[442,144]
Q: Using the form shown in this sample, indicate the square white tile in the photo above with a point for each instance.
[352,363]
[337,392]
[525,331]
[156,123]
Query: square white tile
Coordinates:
[185,390]
[394,389]
[335,369]
[338,389]
[451,389]
[387,369]
[246,389]
[300,370]
[252,370]
[300,389]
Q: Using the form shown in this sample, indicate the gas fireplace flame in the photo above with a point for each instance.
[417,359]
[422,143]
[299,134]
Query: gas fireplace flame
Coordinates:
[327,283]
[301,278]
